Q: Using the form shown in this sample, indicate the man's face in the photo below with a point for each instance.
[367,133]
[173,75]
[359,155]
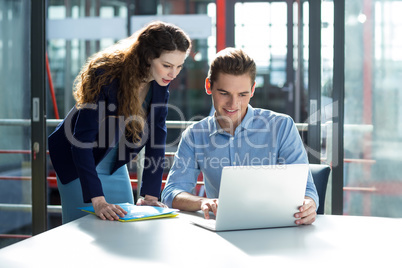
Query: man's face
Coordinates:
[231,95]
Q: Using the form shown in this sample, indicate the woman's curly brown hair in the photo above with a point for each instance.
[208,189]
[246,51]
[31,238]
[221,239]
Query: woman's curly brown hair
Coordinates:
[129,62]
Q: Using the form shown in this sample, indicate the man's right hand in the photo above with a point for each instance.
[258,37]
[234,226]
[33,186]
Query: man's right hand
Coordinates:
[208,205]
[189,202]
[104,210]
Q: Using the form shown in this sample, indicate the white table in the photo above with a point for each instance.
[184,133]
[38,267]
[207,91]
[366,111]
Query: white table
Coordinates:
[332,241]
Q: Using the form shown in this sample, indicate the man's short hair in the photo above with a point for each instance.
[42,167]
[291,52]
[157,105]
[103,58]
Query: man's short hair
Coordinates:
[232,61]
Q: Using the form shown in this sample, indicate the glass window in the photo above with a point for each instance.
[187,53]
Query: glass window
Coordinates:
[266,40]
[373,114]
[67,54]
[327,59]
[15,160]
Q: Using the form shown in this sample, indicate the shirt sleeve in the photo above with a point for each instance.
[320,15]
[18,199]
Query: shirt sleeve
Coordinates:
[292,151]
[184,172]
[85,135]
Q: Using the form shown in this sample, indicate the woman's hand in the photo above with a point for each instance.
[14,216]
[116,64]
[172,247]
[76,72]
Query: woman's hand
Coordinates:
[104,210]
[150,200]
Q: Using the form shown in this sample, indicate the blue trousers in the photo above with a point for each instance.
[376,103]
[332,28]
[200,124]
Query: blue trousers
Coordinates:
[116,188]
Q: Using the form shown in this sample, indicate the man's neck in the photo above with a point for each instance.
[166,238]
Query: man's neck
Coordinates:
[228,127]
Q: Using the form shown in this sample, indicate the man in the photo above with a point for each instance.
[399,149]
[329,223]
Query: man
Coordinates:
[237,134]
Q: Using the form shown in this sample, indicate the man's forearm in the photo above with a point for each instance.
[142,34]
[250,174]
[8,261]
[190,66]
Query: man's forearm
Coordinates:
[187,202]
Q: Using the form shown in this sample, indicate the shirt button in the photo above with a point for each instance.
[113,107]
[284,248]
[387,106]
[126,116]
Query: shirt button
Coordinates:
[234,163]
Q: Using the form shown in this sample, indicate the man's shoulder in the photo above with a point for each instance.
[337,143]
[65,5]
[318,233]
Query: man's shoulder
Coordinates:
[202,124]
[264,114]
[196,132]
[197,128]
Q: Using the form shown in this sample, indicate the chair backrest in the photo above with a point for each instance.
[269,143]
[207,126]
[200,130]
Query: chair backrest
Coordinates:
[320,176]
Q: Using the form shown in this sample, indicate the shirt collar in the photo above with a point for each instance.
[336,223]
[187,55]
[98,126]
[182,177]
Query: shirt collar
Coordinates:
[215,128]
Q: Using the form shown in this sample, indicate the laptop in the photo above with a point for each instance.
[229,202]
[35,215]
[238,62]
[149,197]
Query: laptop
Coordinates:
[252,197]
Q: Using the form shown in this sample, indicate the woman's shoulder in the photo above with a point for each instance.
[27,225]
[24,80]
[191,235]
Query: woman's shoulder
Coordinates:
[109,87]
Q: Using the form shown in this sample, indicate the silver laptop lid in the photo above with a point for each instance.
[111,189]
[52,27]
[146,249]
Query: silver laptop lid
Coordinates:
[260,196]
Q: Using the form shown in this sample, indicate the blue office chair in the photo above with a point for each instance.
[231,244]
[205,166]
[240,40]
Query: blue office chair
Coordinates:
[320,176]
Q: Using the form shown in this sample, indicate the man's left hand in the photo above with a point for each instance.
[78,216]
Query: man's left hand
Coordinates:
[307,212]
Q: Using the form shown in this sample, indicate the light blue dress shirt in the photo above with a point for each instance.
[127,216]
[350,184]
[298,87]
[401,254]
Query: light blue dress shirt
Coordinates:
[263,138]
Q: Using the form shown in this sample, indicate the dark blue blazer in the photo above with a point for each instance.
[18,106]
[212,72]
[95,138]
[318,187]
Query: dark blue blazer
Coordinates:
[88,134]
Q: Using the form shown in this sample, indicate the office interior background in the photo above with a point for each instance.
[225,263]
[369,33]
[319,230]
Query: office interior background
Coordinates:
[334,69]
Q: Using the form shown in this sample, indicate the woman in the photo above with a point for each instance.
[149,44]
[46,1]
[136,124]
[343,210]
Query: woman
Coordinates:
[121,96]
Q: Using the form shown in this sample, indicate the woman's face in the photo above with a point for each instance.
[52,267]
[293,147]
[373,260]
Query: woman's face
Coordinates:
[165,68]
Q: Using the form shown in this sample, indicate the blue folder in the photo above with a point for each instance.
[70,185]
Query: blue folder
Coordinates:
[138,213]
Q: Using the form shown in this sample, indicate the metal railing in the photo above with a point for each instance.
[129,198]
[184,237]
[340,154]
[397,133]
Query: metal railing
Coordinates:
[301,127]
[28,208]
[53,123]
